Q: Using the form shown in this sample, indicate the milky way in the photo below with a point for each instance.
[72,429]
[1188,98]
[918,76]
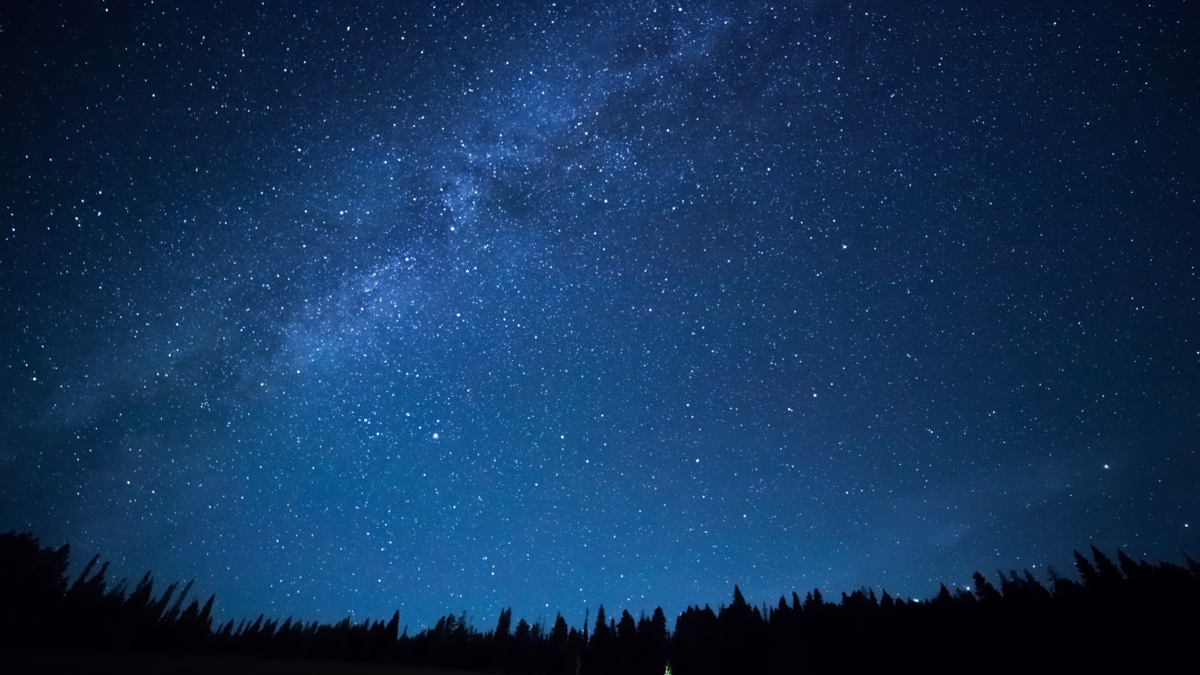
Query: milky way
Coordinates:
[343,309]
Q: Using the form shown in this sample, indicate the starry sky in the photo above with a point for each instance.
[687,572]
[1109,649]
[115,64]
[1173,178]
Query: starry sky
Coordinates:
[343,308]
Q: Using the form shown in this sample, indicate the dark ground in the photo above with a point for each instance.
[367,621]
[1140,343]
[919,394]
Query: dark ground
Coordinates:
[62,663]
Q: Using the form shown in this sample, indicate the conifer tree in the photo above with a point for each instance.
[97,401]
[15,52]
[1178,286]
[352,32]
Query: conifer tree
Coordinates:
[502,626]
[1090,576]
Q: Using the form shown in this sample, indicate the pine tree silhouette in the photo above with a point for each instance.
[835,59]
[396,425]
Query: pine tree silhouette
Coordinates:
[1091,578]
[1110,576]
[1124,615]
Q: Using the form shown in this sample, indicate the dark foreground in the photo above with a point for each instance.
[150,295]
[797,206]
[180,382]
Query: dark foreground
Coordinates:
[1121,616]
[91,663]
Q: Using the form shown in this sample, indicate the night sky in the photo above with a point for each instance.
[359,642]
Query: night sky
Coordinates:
[442,307]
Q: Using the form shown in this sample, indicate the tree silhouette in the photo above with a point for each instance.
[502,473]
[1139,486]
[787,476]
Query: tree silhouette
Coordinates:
[1091,578]
[1110,576]
[1123,615]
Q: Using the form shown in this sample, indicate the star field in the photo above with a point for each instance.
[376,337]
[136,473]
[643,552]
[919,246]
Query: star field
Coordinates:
[349,307]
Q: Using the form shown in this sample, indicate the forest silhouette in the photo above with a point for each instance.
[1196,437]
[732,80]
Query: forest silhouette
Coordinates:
[1118,615]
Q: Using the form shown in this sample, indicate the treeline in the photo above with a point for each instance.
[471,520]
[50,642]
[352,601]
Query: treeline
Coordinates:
[1119,614]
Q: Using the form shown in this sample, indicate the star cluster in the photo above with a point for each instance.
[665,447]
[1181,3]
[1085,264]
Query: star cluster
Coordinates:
[349,307]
